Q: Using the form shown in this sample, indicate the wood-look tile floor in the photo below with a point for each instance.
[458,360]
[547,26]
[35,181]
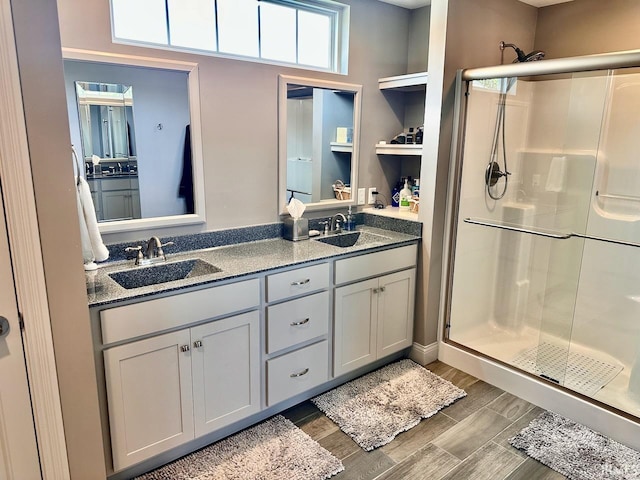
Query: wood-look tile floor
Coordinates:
[466,441]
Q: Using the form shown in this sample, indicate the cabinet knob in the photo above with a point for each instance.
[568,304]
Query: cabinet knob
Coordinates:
[300,373]
[376,290]
[382,289]
[185,348]
[301,322]
[197,344]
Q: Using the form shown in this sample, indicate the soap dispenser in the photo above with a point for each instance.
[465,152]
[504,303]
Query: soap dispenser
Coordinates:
[405,197]
[351,223]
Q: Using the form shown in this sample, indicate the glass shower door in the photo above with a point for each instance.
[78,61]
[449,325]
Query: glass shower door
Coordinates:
[517,259]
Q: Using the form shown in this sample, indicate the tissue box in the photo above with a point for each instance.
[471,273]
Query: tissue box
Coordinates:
[296,229]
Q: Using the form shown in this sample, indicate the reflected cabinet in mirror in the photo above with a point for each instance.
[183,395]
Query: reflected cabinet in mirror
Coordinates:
[136,121]
[318,141]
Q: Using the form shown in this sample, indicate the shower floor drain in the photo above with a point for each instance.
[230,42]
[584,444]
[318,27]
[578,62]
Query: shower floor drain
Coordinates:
[580,372]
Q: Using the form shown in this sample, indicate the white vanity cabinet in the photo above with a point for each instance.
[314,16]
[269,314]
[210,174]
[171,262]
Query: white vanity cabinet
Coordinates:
[297,327]
[170,388]
[373,318]
[149,391]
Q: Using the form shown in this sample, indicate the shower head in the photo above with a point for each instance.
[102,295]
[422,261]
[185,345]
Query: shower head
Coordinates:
[523,57]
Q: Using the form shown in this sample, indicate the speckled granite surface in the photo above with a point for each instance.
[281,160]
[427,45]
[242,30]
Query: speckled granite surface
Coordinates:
[232,236]
[237,260]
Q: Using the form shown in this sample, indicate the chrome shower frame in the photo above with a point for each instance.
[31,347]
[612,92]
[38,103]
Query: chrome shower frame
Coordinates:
[624,428]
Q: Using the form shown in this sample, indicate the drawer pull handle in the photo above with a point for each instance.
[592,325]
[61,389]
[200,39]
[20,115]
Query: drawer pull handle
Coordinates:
[299,374]
[301,282]
[301,322]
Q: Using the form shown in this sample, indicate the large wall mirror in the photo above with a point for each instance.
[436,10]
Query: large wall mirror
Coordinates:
[135,129]
[318,142]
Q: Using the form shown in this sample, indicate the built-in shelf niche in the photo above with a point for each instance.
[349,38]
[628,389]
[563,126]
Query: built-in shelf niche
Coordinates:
[341,147]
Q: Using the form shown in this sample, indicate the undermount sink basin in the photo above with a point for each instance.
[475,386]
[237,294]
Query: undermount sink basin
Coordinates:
[349,239]
[167,272]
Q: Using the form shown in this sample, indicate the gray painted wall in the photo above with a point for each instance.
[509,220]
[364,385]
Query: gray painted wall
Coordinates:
[239,108]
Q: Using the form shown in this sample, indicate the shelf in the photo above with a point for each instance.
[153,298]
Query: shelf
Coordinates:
[341,147]
[392,212]
[398,149]
[407,83]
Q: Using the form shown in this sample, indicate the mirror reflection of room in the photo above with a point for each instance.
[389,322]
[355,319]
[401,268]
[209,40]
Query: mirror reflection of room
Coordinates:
[135,147]
[319,143]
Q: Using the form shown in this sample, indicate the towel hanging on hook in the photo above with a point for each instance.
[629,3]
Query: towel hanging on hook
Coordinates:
[76,164]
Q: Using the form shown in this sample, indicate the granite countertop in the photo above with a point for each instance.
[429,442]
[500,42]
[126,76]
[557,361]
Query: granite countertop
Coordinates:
[235,261]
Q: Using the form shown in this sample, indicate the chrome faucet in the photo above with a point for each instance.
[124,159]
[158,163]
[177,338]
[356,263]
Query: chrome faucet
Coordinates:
[153,253]
[154,249]
[336,227]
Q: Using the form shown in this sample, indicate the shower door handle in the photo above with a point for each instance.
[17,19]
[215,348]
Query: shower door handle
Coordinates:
[514,228]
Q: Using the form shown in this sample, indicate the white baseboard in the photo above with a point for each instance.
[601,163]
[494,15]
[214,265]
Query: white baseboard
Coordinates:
[424,354]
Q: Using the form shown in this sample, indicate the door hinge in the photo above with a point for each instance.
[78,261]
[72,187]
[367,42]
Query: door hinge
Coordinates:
[21,321]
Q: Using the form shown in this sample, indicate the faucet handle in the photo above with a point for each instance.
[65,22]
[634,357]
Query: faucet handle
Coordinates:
[326,226]
[138,249]
[160,251]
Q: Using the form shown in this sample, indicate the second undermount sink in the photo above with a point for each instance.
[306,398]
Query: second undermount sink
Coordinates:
[350,239]
[167,272]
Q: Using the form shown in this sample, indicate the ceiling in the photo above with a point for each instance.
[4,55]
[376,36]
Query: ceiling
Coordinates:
[422,3]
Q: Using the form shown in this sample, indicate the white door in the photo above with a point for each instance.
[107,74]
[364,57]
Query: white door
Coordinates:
[149,396]
[395,312]
[18,451]
[355,329]
[226,371]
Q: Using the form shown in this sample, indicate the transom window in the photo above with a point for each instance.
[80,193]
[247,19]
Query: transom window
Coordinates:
[309,33]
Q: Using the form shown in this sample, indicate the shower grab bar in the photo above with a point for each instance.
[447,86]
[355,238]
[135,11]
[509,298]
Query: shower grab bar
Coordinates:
[544,233]
[629,198]
[513,228]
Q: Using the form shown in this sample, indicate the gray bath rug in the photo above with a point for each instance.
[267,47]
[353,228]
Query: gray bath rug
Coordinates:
[273,450]
[576,451]
[373,409]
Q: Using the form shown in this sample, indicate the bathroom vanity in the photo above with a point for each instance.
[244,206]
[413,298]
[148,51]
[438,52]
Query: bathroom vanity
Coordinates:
[183,363]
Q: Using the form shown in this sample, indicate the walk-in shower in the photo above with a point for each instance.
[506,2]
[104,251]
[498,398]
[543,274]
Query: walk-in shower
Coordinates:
[542,288]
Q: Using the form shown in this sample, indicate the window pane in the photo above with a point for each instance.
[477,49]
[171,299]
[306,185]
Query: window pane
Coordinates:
[314,39]
[277,32]
[192,24]
[142,20]
[238,27]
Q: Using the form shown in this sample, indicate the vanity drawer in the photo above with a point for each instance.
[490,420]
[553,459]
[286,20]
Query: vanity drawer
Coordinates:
[297,372]
[374,264]
[143,318]
[297,321]
[296,282]
[119,183]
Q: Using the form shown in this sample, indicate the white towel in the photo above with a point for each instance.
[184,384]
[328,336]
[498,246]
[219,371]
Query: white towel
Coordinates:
[557,172]
[93,249]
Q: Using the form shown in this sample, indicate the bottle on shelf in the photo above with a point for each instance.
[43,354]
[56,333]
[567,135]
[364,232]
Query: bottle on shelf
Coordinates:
[405,197]
[419,135]
[395,195]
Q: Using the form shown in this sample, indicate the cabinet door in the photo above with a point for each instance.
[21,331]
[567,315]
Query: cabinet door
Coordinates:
[396,295]
[117,205]
[149,397]
[135,203]
[226,371]
[355,328]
